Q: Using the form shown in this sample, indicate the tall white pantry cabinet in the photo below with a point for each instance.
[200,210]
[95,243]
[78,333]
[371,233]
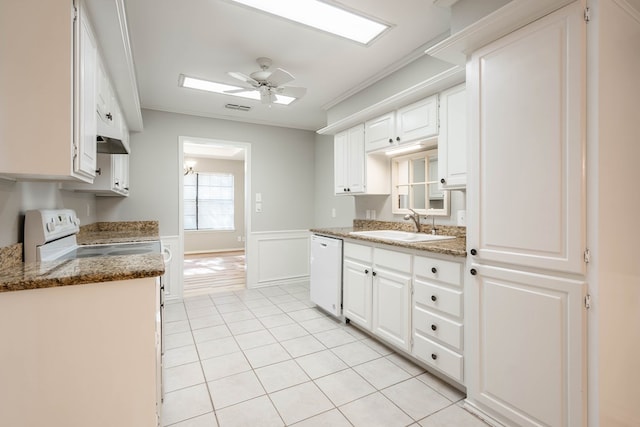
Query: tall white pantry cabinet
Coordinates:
[553,283]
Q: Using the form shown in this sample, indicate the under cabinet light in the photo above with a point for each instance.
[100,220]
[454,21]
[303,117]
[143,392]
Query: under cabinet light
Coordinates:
[322,16]
[221,88]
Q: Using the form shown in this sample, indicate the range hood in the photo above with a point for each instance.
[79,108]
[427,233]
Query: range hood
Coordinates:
[109,145]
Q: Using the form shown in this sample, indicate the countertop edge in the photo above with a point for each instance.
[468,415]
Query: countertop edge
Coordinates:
[456,247]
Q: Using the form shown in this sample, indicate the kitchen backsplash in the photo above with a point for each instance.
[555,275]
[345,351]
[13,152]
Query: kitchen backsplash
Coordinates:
[368,224]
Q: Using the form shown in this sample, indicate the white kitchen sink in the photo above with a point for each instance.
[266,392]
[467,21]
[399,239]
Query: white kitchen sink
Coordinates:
[401,236]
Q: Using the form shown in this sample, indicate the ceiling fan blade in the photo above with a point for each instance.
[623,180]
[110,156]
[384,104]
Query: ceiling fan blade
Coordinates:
[279,77]
[295,92]
[247,89]
[243,77]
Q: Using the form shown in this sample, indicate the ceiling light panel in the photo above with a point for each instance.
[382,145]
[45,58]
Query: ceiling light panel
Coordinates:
[221,88]
[323,16]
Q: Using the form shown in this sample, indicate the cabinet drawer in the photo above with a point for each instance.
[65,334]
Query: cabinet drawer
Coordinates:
[431,325]
[393,260]
[359,252]
[449,272]
[435,297]
[439,357]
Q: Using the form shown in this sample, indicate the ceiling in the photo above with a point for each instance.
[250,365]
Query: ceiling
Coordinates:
[208,38]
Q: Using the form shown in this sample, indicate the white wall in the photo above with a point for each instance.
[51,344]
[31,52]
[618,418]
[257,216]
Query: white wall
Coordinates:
[18,197]
[282,169]
[212,240]
[466,12]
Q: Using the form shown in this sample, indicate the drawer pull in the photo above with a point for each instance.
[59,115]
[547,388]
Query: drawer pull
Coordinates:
[366,272]
[434,298]
[434,327]
[474,252]
[473,272]
[374,273]
[434,270]
[434,356]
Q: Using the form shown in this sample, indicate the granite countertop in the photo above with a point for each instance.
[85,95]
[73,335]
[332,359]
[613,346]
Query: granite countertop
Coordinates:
[456,247]
[16,275]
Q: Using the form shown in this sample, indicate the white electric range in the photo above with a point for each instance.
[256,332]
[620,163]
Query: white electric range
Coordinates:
[50,235]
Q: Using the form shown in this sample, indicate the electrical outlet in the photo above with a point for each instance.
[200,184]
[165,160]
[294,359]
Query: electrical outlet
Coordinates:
[258,207]
[462,218]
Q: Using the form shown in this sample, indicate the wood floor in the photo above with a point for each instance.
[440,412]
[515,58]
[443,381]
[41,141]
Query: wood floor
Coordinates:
[214,272]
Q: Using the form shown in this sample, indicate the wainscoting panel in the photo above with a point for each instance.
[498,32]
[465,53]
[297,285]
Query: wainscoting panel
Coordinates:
[277,257]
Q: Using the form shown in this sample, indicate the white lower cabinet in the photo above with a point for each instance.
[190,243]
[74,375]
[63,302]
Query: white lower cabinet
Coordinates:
[411,302]
[376,292]
[528,331]
[438,315]
[391,297]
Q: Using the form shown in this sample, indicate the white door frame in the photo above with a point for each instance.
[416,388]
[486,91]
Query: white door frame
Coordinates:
[247,196]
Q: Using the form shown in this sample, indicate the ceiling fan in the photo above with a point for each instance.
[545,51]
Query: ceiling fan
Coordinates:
[268,83]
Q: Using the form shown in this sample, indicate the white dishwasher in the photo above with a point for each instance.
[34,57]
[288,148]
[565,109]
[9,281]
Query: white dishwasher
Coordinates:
[326,273]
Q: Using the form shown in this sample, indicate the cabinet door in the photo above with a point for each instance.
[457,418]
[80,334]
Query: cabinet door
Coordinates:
[380,132]
[356,293]
[452,139]
[527,135]
[527,341]
[391,302]
[85,158]
[418,120]
[340,160]
[356,170]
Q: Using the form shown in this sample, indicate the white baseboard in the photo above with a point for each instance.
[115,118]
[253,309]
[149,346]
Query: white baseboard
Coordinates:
[214,251]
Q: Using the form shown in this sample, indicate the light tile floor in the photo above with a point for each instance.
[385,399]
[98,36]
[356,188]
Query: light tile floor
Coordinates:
[267,357]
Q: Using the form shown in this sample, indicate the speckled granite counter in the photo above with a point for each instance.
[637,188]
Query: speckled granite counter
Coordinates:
[118,232]
[456,247]
[16,275]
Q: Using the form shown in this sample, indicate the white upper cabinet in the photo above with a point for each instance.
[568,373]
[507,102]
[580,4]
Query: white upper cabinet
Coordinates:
[410,123]
[109,117]
[85,159]
[452,139]
[527,142]
[46,92]
[349,161]
[380,132]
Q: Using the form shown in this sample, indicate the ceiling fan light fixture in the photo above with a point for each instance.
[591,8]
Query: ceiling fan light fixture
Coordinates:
[221,88]
[322,16]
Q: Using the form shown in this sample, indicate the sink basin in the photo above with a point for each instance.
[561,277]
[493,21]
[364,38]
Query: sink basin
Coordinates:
[401,236]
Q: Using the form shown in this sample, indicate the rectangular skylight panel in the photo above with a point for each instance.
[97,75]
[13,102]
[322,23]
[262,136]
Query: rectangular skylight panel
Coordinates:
[209,86]
[322,16]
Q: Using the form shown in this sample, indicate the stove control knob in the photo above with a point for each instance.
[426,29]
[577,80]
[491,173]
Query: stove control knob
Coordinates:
[51,227]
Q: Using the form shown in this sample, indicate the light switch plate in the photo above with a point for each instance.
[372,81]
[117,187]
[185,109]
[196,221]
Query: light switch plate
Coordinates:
[258,197]
[258,207]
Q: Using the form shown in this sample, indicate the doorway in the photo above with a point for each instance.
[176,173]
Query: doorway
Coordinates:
[214,218]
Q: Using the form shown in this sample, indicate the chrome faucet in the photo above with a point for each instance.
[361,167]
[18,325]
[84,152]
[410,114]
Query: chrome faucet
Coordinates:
[415,217]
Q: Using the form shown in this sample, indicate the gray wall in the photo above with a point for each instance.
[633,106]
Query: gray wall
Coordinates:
[413,73]
[18,197]
[282,169]
[466,12]
[210,240]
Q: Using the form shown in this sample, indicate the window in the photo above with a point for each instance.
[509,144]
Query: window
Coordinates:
[208,201]
[415,185]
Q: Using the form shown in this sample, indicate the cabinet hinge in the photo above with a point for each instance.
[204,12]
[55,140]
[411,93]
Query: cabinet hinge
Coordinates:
[75,13]
[75,150]
[587,301]
[587,256]
[411,342]
[587,14]
[411,289]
